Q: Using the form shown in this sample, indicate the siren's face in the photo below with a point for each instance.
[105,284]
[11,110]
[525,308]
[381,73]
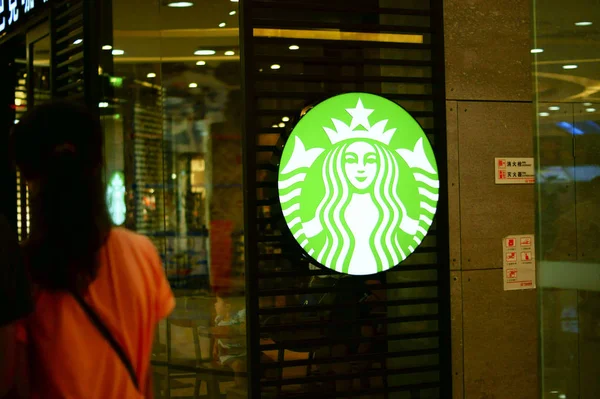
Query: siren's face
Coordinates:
[360,164]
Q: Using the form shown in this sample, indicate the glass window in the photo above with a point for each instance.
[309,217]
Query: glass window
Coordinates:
[566,56]
[171,111]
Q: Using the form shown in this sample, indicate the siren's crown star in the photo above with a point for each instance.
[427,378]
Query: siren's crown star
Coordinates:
[360,117]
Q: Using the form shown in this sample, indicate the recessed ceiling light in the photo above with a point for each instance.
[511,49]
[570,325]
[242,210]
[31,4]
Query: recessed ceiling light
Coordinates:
[587,104]
[537,50]
[235,1]
[118,52]
[583,23]
[222,25]
[17,121]
[554,108]
[151,75]
[275,125]
[590,109]
[78,41]
[193,85]
[544,113]
[570,66]
[107,47]
[180,4]
[103,104]
[174,176]
[205,52]
[230,52]
[200,63]
[232,12]
[282,124]
[285,119]
[275,66]
[294,47]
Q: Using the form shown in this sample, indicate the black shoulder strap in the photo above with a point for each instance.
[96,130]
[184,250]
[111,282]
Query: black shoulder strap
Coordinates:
[108,336]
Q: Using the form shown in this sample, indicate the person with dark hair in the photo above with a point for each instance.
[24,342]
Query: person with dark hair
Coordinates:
[16,302]
[99,291]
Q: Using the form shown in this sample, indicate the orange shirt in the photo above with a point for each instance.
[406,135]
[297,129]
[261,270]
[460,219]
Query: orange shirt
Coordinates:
[70,358]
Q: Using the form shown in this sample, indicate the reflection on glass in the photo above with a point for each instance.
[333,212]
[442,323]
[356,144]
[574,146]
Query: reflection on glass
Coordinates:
[171,109]
[568,142]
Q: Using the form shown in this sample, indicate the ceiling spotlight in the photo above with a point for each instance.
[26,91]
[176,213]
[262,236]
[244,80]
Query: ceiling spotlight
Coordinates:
[235,1]
[200,63]
[537,50]
[107,47]
[587,104]
[570,66]
[282,124]
[232,12]
[103,104]
[78,41]
[275,66]
[285,119]
[275,125]
[174,176]
[544,114]
[118,52]
[230,52]
[583,23]
[204,52]
[554,108]
[180,4]
[222,25]
[590,110]
[151,75]
[294,47]
[193,85]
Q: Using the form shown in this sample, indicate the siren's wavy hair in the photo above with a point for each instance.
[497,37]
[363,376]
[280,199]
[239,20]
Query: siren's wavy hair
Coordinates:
[339,241]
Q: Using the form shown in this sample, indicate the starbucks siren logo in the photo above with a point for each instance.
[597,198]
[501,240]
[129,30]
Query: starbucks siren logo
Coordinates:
[358,183]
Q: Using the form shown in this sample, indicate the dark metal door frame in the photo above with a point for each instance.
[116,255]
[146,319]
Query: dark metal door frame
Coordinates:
[252,15]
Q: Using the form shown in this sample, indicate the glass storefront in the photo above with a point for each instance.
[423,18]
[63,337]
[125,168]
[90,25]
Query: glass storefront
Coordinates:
[172,120]
[568,146]
[197,100]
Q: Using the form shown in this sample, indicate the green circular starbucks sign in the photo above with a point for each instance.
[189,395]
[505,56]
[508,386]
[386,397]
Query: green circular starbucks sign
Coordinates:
[358,184]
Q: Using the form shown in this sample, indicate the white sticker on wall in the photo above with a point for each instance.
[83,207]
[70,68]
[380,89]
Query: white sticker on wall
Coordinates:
[518,252]
[514,171]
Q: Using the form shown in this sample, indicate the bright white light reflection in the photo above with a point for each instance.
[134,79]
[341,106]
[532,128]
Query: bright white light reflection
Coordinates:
[180,4]
[205,52]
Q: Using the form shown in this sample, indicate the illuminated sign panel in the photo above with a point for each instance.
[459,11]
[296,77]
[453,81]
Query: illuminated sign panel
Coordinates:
[13,12]
[115,198]
[358,184]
